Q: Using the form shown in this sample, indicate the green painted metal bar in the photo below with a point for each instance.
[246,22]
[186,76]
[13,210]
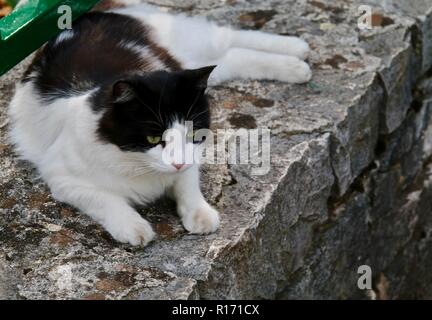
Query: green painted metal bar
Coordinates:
[30,25]
[12,3]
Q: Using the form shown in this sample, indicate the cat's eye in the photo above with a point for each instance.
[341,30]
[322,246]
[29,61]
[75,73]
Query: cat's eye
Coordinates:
[153,139]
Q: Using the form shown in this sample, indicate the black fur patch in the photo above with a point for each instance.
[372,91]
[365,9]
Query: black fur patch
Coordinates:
[146,105]
[93,56]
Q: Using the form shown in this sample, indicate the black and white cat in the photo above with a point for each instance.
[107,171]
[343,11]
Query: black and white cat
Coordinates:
[91,109]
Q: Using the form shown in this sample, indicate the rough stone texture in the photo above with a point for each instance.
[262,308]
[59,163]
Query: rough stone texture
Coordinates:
[350,182]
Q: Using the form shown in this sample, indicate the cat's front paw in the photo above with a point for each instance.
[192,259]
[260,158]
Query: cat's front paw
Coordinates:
[131,229]
[202,220]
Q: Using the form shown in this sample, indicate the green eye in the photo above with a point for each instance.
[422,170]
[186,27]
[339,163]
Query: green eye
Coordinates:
[153,139]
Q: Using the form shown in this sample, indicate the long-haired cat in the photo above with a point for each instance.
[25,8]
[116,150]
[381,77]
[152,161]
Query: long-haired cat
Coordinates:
[91,109]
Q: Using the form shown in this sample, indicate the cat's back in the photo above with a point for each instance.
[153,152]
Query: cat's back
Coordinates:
[98,49]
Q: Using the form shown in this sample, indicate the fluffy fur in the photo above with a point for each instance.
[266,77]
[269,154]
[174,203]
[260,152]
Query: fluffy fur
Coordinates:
[87,103]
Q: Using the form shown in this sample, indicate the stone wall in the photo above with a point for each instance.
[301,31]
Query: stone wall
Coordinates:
[350,182]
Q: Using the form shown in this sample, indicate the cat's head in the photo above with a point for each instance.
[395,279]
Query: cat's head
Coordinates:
[141,110]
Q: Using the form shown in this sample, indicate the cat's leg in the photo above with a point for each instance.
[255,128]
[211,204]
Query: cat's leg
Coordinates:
[257,40]
[253,64]
[111,211]
[196,214]
[196,42]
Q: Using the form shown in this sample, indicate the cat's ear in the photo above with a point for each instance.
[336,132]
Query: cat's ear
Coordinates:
[122,91]
[199,77]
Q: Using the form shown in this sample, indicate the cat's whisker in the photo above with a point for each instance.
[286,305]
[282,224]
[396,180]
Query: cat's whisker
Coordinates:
[160,99]
[133,170]
[198,114]
[150,122]
[192,105]
[154,113]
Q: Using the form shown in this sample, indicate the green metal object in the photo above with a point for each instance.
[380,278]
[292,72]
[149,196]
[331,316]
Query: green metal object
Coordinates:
[31,24]
[12,3]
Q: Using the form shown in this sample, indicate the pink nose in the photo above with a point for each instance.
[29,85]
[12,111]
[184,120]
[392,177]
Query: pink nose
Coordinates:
[178,166]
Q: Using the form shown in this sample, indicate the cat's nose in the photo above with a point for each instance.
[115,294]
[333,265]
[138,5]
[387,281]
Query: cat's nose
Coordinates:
[178,166]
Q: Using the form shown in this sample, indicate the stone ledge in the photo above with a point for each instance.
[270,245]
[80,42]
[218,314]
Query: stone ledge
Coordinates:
[350,180]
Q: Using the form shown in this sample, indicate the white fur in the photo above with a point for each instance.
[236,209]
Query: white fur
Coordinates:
[238,54]
[101,180]
[65,35]
[146,53]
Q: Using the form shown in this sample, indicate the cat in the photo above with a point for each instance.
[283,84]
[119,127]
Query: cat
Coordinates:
[93,105]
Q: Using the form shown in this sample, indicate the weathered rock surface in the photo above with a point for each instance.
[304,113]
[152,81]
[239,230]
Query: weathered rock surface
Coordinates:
[350,182]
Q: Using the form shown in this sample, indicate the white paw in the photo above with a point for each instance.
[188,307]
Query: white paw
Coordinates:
[294,70]
[131,229]
[201,221]
[302,72]
[300,49]
[292,46]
